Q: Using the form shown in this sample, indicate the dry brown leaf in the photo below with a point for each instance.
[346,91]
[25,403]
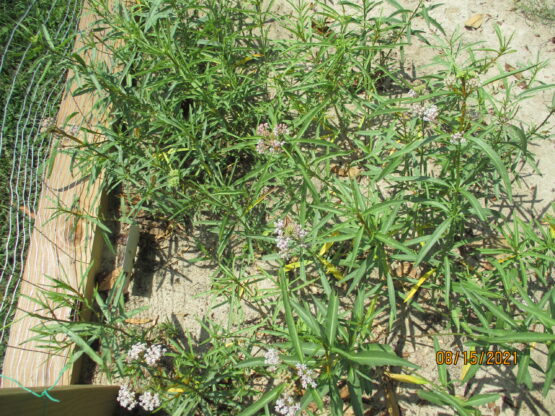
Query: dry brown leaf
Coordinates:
[313,407]
[338,170]
[138,321]
[475,21]
[522,84]
[322,28]
[406,269]
[109,280]
[509,68]
[353,172]
[486,265]
[344,393]
[391,399]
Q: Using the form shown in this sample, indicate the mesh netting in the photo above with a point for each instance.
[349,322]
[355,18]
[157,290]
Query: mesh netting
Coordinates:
[32,82]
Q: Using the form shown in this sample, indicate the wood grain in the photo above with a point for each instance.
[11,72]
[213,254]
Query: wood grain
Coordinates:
[61,246]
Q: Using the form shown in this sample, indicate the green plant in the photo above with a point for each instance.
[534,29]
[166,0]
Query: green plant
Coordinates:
[362,188]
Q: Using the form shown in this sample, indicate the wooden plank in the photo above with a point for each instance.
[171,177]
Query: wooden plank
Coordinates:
[84,400]
[60,246]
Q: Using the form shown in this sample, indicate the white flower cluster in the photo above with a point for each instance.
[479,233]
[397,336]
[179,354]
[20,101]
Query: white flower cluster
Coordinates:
[154,354]
[151,354]
[126,397]
[286,235]
[428,113]
[457,138]
[472,83]
[450,81]
[149,401]
[272,359]
[307,376]
[270,142]
[412,94]
[135,352]
[287,406]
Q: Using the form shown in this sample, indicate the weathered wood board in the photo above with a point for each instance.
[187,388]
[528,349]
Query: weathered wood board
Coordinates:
[60,246]
[85,399]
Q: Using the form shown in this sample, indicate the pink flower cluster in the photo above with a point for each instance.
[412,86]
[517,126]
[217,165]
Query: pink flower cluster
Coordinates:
[287,406]
[287,235]
[307,376]
[270,143]
[428,113]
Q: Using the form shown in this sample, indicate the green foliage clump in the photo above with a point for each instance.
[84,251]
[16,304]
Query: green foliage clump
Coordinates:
[316,152]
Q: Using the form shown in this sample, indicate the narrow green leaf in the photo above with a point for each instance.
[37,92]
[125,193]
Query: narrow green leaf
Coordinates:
[480,399]
[433,239]
[520,337]
[393,243]
[332,318]
[250,362]
[267,398]
[374,358]
[289,317]
[496,160]
[496,310]
[440,398]
[81,343]
[550,373]
[307,318]
[523,374]
[441,368]
[47,37]
[480,211]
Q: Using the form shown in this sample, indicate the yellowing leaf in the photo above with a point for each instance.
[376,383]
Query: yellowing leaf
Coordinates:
[507,258]
[248,58]
[175,390]
[552,229]
[475,21]
[325,249]
[294,265]
[260,199]
[466,367]
[418,284]
[330,268]
[405,378]
[327,246]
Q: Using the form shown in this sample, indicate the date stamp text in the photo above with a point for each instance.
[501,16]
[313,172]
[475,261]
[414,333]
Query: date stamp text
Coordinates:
[476,357]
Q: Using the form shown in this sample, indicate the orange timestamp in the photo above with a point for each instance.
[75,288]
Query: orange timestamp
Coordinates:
[476,357]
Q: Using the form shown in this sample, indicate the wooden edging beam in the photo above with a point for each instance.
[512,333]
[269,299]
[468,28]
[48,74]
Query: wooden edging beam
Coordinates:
[62,246]
[84,400]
